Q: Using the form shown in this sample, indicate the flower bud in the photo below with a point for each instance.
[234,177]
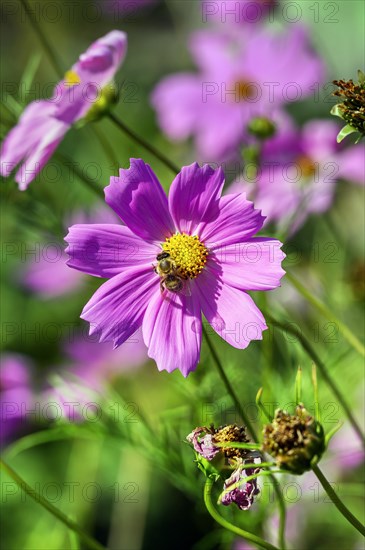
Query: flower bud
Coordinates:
[352,108]
[102,105]
[294,440]
[261,127]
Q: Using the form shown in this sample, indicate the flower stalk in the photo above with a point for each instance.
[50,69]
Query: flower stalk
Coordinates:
[138,139]
[258,541]
[322,368]
[87,539]
[337,501]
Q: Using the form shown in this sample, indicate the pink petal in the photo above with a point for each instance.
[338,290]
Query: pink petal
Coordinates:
[172,331]
[251,265]
[232,313]
[116,309]
[194,195]
[139,200]
[40,152]
[351,164]
[104,250]
[236,221]
[177,100]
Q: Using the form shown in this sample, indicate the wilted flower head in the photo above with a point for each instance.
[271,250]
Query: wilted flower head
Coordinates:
[237,489]
[173,260]
[352,108]
[241,76]
[207,442]
[294,440]
[85,91]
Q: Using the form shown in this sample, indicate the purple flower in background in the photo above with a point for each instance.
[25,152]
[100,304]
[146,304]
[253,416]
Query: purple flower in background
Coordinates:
[242,75]
[16,397]
[236,11]
[239,491]
[299,170]
[175,259]
[94,362]
[47,273]
[43,124]
[74,395]
[203,444]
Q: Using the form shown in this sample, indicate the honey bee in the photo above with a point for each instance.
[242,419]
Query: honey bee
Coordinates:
[170,277]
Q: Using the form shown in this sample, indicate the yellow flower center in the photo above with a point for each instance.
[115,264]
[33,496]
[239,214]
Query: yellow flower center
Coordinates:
[306,166]
[188,254]
[72,78]
[244,90]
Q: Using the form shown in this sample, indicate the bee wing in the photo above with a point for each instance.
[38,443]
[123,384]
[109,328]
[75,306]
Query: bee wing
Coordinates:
[186,290]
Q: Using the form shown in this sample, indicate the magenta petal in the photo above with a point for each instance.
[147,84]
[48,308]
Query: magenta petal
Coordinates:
[351,164]
[236,221]
[172,331]
[139,200]
[116,309]
[194,196]
[232,313]
[251,265]
[104,250]
[177,102]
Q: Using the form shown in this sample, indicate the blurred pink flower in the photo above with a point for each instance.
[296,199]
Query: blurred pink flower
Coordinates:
[299,170]
[236,11]
[16,396]
[242,75]
[47,273]
[76,393]
[44,123]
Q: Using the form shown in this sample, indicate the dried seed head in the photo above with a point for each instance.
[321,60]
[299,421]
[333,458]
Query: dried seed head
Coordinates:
[294,440]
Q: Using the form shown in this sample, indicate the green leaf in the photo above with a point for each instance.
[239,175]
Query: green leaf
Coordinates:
[337,110]
[346,131]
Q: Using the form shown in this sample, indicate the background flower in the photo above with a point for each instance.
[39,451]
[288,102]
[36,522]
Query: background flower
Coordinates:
[298,172]
[16,395]
[240,76]
[43,124]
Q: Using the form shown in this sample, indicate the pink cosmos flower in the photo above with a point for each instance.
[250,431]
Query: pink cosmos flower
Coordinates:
[242,75]
[76,393]
[16,396]
[236,11]
[173,260]
[299,172]
[94,362]
[47,273]
[44,123]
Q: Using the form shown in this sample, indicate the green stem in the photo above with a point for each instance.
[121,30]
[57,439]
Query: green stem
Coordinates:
[337,501]
[320,365]
[90,184]
[326,312]
[88,540]
[138,139]
[229,387]
[241,412]
[229,526]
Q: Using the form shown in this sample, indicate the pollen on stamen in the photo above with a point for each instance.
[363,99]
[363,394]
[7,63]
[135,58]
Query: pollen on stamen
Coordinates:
[188,253]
